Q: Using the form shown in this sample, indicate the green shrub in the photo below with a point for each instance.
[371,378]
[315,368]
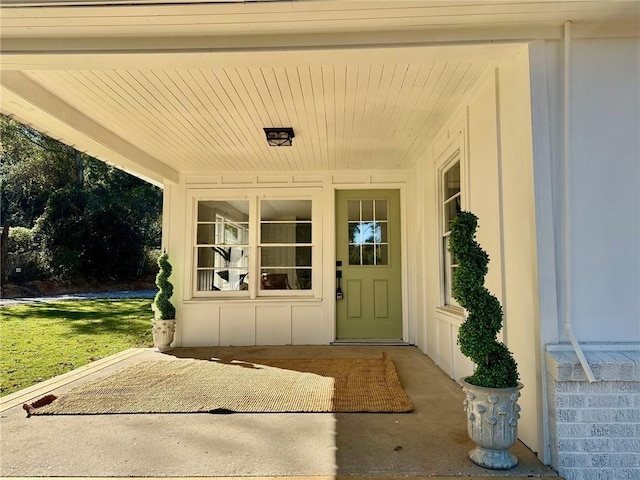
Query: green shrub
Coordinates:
[149,265]
[23,254]
[495,365]
[162,306]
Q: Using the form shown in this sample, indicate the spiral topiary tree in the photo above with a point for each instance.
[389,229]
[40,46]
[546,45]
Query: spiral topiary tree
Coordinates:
[162,305]
[477,337]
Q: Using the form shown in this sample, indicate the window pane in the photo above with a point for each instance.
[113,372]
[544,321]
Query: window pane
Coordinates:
[367,210]
[233,233]
[452,181]
[285,279]
[294,232]
[222,279]
[303,256]
[285,256]
[206,211]
[381,210]
[223,233]
[222,257]
[303,232]
[303,278]
[366,232]
[368,257]
[353,209]
[382,255]
[216,210]
[206,257]
[384,238]
[451,209]
[206,234]
[278,210]
[354,232]
[354,255]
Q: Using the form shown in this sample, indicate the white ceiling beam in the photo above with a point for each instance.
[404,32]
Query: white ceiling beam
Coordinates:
[121,54]
[30,103]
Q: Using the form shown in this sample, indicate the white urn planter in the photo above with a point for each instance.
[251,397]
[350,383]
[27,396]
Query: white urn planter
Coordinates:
[163,331]
[492,423]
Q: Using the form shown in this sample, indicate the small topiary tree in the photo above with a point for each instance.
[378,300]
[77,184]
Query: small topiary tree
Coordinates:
[495,365]
[162,306]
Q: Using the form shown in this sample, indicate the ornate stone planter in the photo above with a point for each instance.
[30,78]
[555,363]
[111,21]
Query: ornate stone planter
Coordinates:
[163,331]
[492,423]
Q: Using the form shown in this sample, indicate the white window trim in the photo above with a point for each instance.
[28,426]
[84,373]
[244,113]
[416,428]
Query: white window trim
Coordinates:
[253,196]
[454,152]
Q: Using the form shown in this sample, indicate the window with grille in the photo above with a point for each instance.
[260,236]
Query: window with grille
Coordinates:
[368,238]
[254,246]
[450,204]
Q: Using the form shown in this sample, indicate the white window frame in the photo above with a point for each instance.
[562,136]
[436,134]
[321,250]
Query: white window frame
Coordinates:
[220,219]
[254,196]
[447,160]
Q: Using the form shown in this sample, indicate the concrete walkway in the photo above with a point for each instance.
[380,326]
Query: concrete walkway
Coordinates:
[429,442]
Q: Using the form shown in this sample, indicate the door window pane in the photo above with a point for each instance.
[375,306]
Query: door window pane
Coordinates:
[367,229]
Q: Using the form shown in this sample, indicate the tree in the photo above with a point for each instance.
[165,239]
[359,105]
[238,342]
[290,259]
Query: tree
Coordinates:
[88,218]
[62,230]
[32,167]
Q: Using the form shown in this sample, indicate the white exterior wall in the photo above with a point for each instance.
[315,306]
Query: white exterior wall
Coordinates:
[605,185]
[593,439]
[285,320]
[520,259]
[493,128]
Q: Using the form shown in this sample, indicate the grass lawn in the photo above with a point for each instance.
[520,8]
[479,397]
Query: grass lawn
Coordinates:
[40,341]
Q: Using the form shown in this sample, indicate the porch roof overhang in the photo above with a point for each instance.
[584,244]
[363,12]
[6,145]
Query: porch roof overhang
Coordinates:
[163,89]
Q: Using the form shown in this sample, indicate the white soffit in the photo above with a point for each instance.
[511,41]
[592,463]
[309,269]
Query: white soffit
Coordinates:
[376,108]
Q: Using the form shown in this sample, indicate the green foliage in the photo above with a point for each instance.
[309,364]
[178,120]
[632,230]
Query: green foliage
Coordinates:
[150,265]
[62,231]
[33,166]
[24,255]
[90,219]
[477,336]
[47,339]
[162,305]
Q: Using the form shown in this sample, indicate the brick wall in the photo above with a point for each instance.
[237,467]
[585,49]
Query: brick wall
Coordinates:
[594,427]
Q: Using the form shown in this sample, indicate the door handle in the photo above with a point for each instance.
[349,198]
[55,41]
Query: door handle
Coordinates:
[339,294]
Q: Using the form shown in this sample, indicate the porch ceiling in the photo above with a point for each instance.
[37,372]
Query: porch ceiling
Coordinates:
[162,90]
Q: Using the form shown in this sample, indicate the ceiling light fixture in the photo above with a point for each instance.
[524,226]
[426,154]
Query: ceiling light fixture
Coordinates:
[279,137]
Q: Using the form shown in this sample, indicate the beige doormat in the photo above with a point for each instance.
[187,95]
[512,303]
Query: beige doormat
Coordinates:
[282,385]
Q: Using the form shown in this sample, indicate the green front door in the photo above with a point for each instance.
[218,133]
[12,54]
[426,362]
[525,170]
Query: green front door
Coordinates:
[368,249]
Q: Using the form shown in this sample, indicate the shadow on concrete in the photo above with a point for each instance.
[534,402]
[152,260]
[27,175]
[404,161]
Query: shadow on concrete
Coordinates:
[429,441]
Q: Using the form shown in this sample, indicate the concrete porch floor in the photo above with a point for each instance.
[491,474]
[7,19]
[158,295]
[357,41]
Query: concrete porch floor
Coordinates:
[429,442]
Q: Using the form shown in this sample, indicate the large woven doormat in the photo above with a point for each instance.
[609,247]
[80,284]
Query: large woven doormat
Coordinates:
[279,385]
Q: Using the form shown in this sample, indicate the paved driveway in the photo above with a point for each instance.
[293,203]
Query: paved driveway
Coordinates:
[78,296]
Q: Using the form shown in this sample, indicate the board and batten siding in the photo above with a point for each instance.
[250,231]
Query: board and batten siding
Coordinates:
[286,320]
[493,126]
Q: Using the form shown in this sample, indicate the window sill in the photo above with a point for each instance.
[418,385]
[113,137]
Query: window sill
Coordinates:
[454,312]
[282,299]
